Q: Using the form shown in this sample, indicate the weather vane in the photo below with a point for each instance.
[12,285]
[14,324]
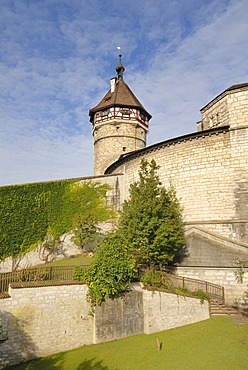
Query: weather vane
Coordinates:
[119,48]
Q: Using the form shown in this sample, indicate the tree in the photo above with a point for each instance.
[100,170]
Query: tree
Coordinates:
[111,271]
[151,220]
[88,209]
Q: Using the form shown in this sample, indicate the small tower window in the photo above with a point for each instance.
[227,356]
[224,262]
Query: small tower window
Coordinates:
[104,113]
[143,117]
[125,111]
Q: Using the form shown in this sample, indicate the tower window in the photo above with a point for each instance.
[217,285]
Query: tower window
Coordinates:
[104,112]
[124,149]
[125,111]
[142,116]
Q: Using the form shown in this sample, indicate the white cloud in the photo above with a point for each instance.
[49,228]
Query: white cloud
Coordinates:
[57,57]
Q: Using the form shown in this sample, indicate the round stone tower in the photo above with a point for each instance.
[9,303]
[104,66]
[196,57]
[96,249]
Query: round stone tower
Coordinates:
[119,123]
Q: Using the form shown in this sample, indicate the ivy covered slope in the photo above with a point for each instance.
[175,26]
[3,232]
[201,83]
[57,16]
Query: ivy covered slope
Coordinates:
[30,212]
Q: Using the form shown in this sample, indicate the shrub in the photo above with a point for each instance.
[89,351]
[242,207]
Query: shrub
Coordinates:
[110,273]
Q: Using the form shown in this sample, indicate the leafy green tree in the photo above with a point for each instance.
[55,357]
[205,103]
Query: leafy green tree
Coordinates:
[111,272]
[89,209]
[151,220]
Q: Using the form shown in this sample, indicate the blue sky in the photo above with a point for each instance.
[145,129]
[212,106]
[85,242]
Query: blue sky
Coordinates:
[57,56]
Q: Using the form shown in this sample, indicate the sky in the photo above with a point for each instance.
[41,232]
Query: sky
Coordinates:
[57,57]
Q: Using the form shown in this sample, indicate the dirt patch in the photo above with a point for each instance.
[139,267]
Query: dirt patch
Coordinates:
[239,318]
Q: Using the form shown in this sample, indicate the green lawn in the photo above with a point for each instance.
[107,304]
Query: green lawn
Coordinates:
[80,260]
[214,344]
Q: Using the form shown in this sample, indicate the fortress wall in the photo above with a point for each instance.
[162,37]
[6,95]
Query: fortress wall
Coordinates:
[215,115]
[229,108]
[204,173]
[239,164]
[237,105]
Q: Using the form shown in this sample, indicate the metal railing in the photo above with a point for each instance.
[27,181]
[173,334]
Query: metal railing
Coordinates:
[214,291]
[66,273]
[38,274]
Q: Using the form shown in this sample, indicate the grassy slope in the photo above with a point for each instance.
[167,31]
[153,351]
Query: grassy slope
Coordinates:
[80,260]
[214,344]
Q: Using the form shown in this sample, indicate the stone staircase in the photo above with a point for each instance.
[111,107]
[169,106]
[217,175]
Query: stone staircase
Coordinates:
[217,309]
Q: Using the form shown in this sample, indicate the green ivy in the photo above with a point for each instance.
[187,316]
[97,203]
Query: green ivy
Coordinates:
[29,212]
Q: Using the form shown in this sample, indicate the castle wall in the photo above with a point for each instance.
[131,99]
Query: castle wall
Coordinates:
[229,108]
[215,115]
[40,321]
[209,172]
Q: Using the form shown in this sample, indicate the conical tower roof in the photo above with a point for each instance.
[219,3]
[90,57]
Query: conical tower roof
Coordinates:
[122,96]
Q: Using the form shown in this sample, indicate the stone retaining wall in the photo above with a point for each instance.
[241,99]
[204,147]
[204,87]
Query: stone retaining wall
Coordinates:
[40,321]
[234,292]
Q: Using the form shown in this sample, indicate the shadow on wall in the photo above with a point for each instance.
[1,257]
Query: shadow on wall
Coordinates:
[17,347]
[57,361]
[15,344]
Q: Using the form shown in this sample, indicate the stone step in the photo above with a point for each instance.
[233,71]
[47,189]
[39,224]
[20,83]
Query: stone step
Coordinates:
[220,309]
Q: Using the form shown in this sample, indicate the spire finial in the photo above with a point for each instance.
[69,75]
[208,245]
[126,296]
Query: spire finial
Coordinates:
[120,69]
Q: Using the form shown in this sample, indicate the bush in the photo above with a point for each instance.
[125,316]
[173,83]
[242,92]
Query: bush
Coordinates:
[110,273]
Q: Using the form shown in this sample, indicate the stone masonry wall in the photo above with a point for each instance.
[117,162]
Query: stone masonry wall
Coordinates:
[165,311]
[119,318]
[234,292]
[239,164]
[204,174]
[214,115]
[229,108]
[40,321]
[44,320]
[113,139]
[209,172]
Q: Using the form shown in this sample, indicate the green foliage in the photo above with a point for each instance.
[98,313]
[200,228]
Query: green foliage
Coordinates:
[240,272]
[110,273]
[89,209]
[32,213]
[151,220]
[156,279]
[201,294]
